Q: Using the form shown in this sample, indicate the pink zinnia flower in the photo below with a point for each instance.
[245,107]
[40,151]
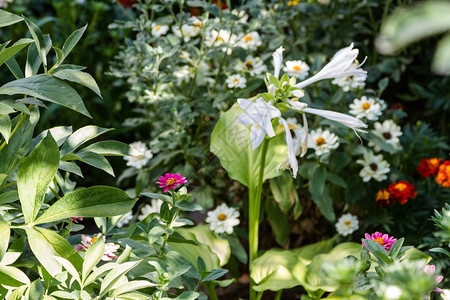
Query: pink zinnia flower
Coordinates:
[110,248]
[76,219]
[382,239]
[170,181]
[429,270]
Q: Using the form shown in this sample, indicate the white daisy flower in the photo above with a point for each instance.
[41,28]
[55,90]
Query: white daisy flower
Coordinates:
[242,15]
[223,219]
[347,224]
[374,167]
[250,41]
[236,81]
[140,160]
[125,219]
[159,30]
[217,38]
[365,107]
[348,83]
[322,141]
[252,65]
[296,68]
[147,209]
[183,74]
[189,31]
[445,294]
[389,132]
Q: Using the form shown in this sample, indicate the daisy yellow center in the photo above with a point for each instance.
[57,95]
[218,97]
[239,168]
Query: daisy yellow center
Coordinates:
[221,217]
[320,141]
[387,135]
[157,27]
[379,240]
[249,64]
[247,38]
[366,106]
[235,80]
[219,38]
[94,239]
[347,223]
[198,24]
[170,181]
[400,187]
[292,3]
[296,68]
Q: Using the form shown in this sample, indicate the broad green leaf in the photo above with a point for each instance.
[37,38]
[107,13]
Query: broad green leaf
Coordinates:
[36,290]
[319,192]
[72,40]
[132,286]
[441,59]
[47,88]
[93,255]
[70,167]
[111,148]
[406,26]
[69,267]
[278,222]
[395,250]
[79,77]
[215,274]
[18,146]
[283,191]
[97,201]
[375,247]
[219,246]
[80,137]
[46,244]
[14,67]
[5,127]
[38,40]
[35,175]
[7,18]
[8,197]
[187,206]
[230,142]
[5,231]
[12,276]
[115,274]
[59,133]
[12,50]
[97,161]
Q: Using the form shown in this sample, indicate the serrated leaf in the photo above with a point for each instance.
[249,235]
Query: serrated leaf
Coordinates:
[97,201]
[48,88]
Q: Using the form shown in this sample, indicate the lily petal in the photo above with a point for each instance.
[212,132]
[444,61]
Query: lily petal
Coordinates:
[277,61]
[344,119]
[291,150]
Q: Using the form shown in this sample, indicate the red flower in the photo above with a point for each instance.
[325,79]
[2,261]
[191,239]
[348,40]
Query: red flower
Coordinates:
[428,167]
[127,3]
[383,198]
[443,175]
[402,191]
[170,181]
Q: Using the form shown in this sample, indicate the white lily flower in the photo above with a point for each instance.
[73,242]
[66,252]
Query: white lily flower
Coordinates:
[344,119]
[297,93]
[277,61]
[341,65]
[291,149]
[259,114]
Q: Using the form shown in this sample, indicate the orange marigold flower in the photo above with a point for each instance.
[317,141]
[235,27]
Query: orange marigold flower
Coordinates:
[383,198]
[428,167]
[402,191]
[443,175]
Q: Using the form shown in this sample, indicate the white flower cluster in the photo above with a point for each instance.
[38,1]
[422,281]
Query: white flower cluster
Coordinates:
[140,160]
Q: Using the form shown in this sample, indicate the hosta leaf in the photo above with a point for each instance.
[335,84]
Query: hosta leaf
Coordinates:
[48,88]
[97,201]
[230,142]
[35,175]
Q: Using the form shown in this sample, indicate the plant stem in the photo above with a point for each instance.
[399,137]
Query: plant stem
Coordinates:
[278,295]
[254,211]
[211,292]
[259,297]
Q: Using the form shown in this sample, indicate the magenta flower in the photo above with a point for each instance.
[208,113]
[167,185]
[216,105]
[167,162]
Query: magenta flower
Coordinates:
[170,181]
[110,248]
[429,270]
[382,239]
[76,219]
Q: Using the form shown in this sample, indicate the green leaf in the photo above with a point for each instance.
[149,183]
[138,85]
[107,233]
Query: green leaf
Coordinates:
[375,247]
[230,142]
[11,51]
[5,127]
[97,201]
[8,197]
[12,276]
[395,250]
[81,136]
[59,55]
[440,250]
[7,18]
[72,40]
[38,40]
[95,160]
[215,274]
[130,287]
[441,59]
[98,272]
[5,231]
[283,191]
[111,148]
[35,175]
[115,275]
[325,203]
[187,206]
[47,88]
[79,77]
[93,255]
[278,222]
[69,267]
[189,295]
[406,26]
[14,67]
[318,180]
[237,249]
[70,167]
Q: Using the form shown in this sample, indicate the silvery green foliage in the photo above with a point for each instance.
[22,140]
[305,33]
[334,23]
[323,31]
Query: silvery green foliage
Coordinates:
[38,197]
